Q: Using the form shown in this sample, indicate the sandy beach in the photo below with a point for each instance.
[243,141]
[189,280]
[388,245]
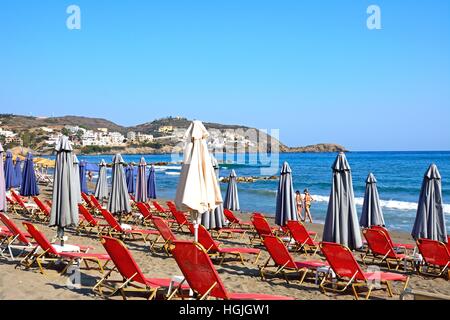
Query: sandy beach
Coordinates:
[20,284]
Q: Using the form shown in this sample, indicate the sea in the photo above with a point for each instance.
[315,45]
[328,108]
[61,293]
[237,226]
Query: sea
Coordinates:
[399,175]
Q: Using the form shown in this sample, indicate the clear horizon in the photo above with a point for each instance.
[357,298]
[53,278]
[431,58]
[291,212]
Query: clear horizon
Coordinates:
[313,70]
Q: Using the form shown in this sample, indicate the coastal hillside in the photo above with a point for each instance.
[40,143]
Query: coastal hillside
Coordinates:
[96,135]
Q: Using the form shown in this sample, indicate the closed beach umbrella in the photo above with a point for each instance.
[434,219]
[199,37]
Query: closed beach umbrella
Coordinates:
[9,171]
[119,199]
[286,205]
[430,219]
[76,173]
[64,211]
[2,182]
[341,223]
[232,198]
[101,188]
[198,190]
[214,219]
[18,173]
[151,183]
[131,183]
[83,180]
[29,187]
[372,215]
[141,182]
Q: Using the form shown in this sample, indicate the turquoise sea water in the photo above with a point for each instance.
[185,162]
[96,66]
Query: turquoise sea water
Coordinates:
[399,176]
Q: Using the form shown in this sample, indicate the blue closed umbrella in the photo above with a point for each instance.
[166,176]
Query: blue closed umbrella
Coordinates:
[29,187]
[286,208]
[131,183]
[151,183]
[83,181]
[18,173]
[9,171]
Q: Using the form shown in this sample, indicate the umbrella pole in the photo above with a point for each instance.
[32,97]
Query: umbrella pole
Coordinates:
[60,234]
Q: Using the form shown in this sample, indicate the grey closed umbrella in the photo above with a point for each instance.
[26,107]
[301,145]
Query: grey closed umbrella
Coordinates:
[76,171]
[214,219]
[430,219]
[371,215]
[286,205]
[119,200]
[64,211]
[232,198]
[141,182]
[341,223]
[101,188]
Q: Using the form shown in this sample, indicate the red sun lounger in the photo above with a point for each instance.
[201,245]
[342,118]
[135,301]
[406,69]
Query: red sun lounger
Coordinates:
[14,238]
[236,222]
[379,246]
[88,223]
[215,249]
[52,253]
[199,272]
[404,246]
[350,275]
[436,257]
[284,263]
[133,280]
[302,237]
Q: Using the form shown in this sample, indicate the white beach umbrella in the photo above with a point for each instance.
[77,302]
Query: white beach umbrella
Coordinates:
[198,190]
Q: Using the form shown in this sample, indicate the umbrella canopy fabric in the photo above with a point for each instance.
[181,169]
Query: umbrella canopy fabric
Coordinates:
[83,180]
[3,206]
[214,219]
[131,182]
[198,190]
[119,200]
[372,215]
[141,181]
[232,197]
[101,188]
[151,183]
[9,170]
[29,187]
[66,194]
[430,219]
[76,173]
[341,223]
[286,208]
[18,173]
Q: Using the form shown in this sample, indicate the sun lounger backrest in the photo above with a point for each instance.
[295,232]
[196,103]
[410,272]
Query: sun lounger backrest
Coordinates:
[111,220]
[41,206]
[179,217]
[95,202]
[198,269]
[170,204]
[144,210]
[18,198]
[86,214]
[14,229]
[299,233]
[158,207]
[40,239]
[278,252]
[122,259]
[342,261]
[230,216]
[163,229]
[385,231]
[205,239]
[378,243]
[86,199]
[434,252]
[261,226]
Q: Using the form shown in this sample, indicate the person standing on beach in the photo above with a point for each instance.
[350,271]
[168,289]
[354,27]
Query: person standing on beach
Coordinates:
[299,202]
[90,176]
[307,204]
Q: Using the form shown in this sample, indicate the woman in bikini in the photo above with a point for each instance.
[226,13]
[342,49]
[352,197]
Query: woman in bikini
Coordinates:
[299,202]
[307,200]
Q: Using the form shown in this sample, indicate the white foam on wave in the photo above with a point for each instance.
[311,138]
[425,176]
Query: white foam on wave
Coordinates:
[388,204]
[172,173]
[164,168]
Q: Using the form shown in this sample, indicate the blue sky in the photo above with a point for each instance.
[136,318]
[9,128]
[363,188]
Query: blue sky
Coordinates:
[309,68]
